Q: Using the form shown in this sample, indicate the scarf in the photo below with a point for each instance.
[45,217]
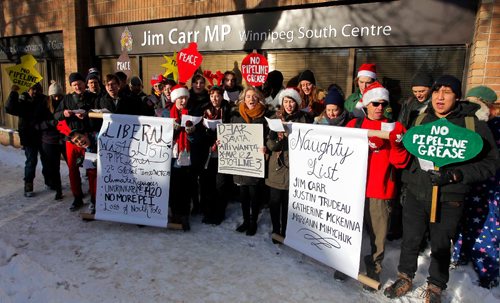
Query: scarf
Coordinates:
[182,140]
[249,115]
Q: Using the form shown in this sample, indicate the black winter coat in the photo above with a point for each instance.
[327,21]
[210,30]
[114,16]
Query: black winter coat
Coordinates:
[479,168]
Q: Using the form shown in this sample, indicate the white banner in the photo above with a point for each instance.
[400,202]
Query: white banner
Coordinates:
[133,169]
[239,149]
[327,192]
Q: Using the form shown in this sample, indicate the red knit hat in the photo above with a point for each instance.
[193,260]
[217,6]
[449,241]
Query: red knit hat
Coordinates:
[374,92]
[179,91]
[157,79]
[368,70]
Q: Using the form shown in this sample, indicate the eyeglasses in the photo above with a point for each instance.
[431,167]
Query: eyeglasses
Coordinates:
[377,104]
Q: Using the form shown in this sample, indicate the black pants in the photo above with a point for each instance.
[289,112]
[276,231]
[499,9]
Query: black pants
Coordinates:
[278,208]
[180,187]
[50,154]
[213,197]
[249,204]
[416,215]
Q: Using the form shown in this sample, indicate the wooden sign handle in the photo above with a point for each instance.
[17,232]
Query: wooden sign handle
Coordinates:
[435,190]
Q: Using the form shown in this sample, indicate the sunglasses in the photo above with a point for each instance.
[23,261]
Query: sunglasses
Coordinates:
[377,104]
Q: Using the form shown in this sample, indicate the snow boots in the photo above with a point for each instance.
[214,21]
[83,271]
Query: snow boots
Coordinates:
[28,189]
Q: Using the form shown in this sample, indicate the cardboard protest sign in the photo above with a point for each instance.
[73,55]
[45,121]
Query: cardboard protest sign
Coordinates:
[328,168]
[255,68]
[133,169]
[239,149]
[442,142]
[24,74]
[123,64]
[188,61]
[171,67]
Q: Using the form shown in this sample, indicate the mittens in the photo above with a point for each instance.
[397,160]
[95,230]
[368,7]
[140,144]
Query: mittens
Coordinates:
[396,135]
[190,128]
[375,143]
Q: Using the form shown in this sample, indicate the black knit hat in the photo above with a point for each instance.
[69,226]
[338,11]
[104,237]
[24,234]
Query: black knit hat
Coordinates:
[275,78]
[75,77]
[334,97]
[422,79]
[449,81]
[308,76]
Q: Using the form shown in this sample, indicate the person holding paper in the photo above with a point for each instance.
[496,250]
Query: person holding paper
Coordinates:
[231,88]
[181,181]
[278,168]
[383,158]
[212,194]
[250,109]
[74,110]
[453,181]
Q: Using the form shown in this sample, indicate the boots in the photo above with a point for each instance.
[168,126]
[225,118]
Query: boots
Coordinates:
[28,189]
[242,227]
[432,294]
[59,195]
[400,287]
[252,227]
[77,203]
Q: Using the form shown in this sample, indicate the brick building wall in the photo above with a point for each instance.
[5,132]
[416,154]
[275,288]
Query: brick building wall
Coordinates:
[484,64]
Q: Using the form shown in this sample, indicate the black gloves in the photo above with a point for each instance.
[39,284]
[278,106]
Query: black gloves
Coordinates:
[445,176]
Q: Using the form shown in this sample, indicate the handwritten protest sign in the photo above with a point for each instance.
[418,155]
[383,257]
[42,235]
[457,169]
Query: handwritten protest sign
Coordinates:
[442,143]
[327,192]
[24,75]
[133,169]
[255,68]
[239,149]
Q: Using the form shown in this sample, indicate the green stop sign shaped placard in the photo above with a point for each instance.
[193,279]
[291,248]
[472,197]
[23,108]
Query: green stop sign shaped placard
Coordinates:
[442,142]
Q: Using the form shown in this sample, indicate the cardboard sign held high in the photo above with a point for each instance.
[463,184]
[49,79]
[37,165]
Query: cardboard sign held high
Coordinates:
[24,74]
[188,61]
[255,68]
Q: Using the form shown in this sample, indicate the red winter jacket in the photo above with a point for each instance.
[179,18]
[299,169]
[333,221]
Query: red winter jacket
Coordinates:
[380,182]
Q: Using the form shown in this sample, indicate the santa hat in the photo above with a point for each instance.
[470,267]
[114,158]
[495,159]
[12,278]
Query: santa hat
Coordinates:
[290,92]
[373,93]
[157,79]
[368,70]
[179,91]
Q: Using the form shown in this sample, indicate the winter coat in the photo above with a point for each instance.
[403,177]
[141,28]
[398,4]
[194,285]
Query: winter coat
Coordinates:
[126,105]
[278,166]
[236,118]
[73,101]
[30,112]
[411,109]
[381,177]
[48,127]
[479,168]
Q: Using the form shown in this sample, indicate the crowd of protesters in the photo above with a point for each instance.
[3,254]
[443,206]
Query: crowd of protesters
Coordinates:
[398,190]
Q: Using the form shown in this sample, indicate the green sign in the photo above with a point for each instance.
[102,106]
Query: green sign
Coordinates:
[442,142]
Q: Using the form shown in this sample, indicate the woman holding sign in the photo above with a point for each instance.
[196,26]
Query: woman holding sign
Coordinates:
[250,110]
[277,143]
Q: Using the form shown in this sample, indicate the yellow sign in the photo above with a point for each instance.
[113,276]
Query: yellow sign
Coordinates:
[171,67]
[24,75]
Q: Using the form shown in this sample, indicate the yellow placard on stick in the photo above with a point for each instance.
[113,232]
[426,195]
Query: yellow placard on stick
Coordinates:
[24,74]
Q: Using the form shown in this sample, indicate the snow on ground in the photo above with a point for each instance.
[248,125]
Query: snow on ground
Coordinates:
[48,254]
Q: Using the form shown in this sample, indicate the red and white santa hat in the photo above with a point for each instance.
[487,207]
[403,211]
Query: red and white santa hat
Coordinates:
[290,92]
[368,70]
[374,93]
[179,91]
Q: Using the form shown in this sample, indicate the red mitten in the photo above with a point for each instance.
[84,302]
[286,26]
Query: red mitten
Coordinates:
[375,143]
[396,135]
[190,128]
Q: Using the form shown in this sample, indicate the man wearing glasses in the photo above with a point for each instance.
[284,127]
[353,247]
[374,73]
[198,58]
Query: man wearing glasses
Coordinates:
[384,157]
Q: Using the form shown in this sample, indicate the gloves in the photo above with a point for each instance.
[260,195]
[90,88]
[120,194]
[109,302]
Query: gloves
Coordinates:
[190,128]
[177,126]
[375,143]
[396,135]
[445,176]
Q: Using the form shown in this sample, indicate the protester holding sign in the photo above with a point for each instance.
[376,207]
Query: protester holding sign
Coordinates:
[312,96]
[74,110]
[30,108]
[213,196]
[384,157]
[453,180]
[278,168]
[250,109]
[231,87]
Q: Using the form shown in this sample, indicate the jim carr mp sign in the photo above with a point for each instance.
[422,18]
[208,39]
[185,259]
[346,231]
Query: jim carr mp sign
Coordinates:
[384,23]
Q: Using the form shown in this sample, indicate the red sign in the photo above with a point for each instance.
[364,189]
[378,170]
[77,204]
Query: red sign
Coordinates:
[188,61]
[255,69]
